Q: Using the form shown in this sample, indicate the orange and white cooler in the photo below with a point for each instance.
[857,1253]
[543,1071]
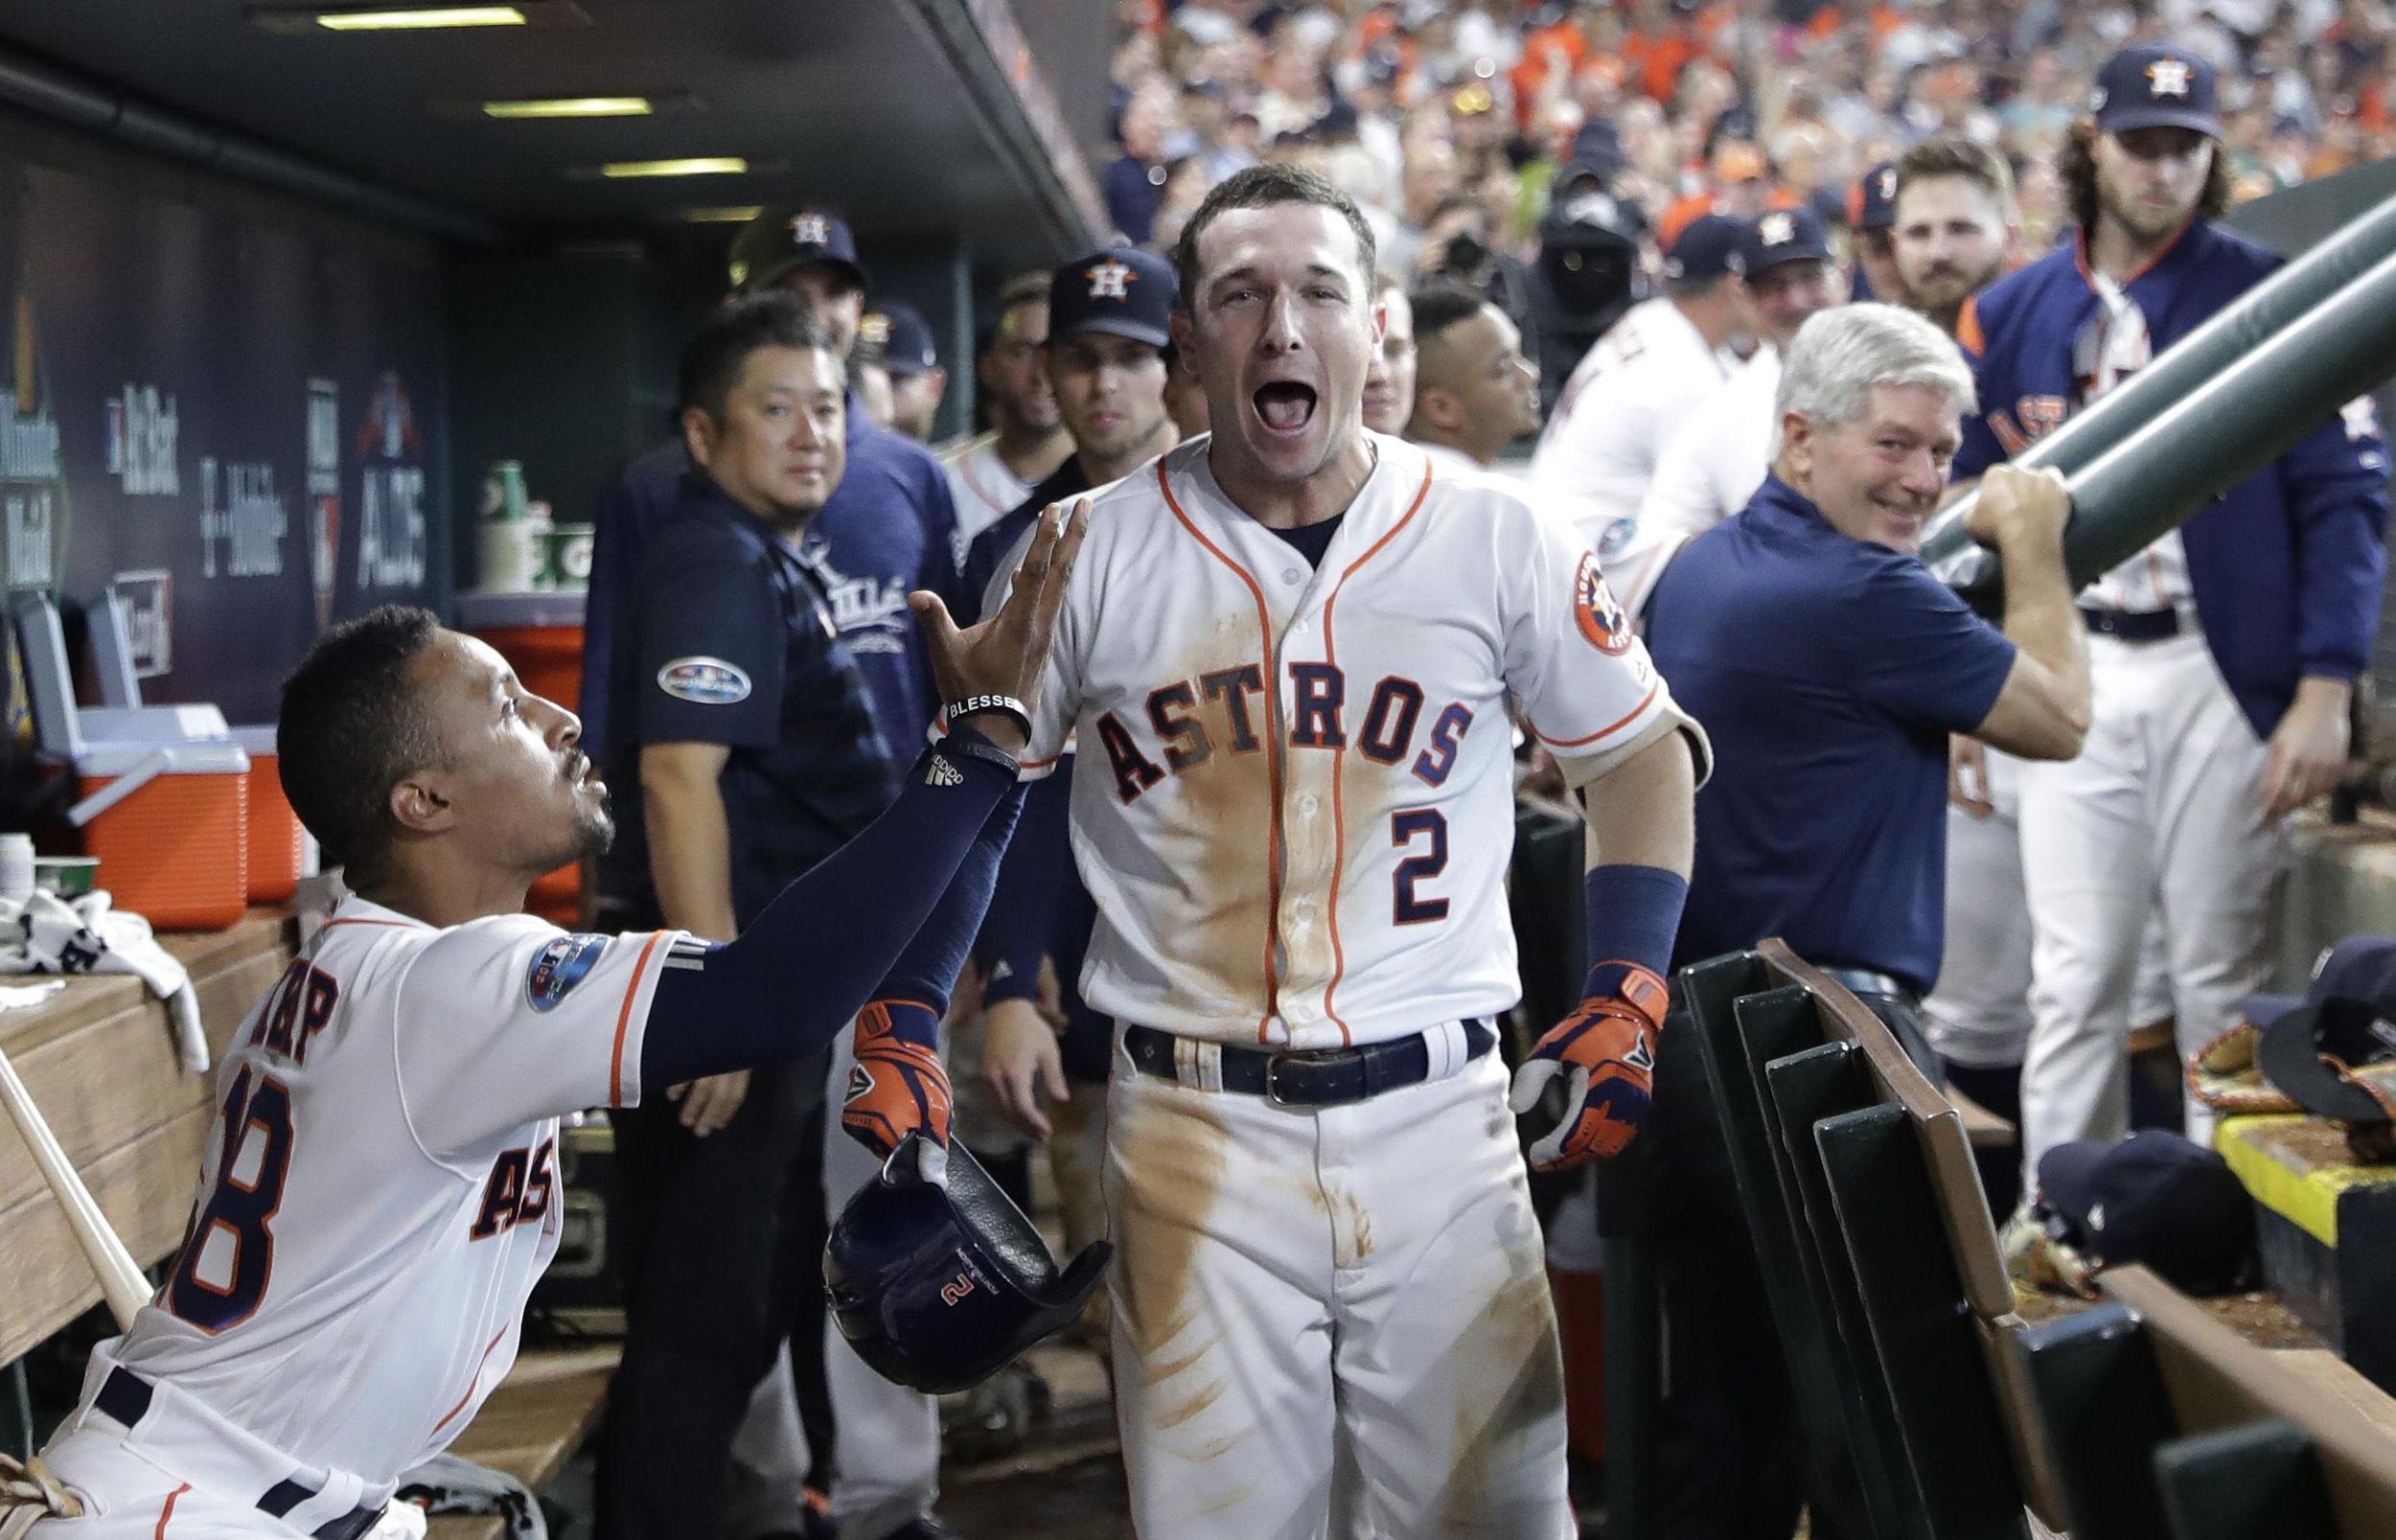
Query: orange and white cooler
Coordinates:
[170,824]
[163,790]
[280,850]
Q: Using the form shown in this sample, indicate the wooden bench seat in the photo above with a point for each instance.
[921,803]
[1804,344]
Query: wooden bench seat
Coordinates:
[532,1424]
[98,1060]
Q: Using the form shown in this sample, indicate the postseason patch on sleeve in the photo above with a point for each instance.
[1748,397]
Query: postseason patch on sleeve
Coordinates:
[558,967]
[707,682]
[1598,614]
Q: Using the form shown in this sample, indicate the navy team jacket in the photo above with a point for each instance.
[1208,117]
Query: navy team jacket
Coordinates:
[2289,564]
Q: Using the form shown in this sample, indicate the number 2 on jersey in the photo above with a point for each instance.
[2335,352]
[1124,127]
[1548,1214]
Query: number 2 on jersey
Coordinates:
[233,1236]
[1406,826]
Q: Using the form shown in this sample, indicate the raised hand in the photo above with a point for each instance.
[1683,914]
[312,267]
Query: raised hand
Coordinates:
[1008,654]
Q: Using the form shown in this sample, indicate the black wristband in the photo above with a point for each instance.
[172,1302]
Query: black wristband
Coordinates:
[962,740]
[973,703]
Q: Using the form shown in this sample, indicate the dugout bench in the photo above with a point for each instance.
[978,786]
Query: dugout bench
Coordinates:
[1790,1114]
[99,1061]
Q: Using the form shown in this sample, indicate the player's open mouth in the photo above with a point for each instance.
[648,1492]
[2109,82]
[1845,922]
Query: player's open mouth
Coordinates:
[1285,406]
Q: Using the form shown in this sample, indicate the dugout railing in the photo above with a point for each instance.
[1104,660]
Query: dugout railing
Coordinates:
[1795,1137]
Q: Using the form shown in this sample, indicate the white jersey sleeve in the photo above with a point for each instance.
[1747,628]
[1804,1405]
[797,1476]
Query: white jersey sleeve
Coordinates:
[1583,678]
[508,1019]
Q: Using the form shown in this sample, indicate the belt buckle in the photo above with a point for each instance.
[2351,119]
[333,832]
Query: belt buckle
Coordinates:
[1273,1071]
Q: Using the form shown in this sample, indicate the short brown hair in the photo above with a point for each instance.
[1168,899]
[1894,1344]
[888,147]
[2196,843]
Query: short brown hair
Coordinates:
[1949,155]
[2075,163]
[1262,186]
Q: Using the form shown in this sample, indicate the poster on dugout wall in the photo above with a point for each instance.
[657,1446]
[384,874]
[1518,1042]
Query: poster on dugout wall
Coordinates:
[233,419]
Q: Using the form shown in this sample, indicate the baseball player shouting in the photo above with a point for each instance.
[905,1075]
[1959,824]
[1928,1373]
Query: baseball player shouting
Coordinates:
[382,1192]
[1289,656]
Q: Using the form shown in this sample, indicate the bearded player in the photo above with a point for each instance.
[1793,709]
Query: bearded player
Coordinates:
[382,1192]
[1288,656]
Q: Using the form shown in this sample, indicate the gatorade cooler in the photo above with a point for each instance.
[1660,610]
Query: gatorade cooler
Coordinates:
[278,846]
[164,790]
[170,824]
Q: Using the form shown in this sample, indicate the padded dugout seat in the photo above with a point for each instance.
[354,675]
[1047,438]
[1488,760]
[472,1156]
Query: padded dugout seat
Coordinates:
[1853,1182]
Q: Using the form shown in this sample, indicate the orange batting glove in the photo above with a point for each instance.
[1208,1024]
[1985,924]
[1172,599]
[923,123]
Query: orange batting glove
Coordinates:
[1608,1049]
[898,1085]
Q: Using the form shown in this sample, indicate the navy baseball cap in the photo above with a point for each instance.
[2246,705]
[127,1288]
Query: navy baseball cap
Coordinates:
[780,240]
[2312,1047]
[1711,245]
[2154,85]
[1599,145]
[1116,289]
[1783,235]
[2156,1200]
[904,336]
[1874,205]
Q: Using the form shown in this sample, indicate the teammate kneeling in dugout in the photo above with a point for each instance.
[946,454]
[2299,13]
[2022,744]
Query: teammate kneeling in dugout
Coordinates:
[381,1197]
[1288,661]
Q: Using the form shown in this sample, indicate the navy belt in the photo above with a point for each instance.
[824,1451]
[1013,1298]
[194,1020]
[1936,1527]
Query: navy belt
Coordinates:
[126,1396]
[1310,1077]
[2132,624]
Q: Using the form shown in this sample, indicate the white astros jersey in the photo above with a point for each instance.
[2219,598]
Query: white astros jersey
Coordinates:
[1294,796]
[982,486]
[1628,394]
[379,1190]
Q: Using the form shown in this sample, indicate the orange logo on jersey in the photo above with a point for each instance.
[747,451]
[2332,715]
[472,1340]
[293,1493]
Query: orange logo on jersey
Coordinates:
[1596,612]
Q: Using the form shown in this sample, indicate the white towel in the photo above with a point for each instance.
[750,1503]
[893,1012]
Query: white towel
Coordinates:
[46,935]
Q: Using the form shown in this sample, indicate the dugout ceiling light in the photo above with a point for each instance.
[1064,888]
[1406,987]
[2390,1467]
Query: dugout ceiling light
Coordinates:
[572,106]
[692,166]
[309,19]
[730,214]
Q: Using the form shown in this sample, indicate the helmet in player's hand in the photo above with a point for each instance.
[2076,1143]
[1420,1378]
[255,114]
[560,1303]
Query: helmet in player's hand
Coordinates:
[938,1280]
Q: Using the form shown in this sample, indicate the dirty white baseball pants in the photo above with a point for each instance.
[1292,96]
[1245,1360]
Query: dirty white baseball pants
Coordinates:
[1288,1277]
[2163,806]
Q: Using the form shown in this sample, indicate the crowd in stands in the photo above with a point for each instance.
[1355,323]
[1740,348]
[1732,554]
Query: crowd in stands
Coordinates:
[1460,125]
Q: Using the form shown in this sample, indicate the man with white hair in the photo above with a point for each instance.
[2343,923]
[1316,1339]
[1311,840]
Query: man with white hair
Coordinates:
[1813,628]
[1833,667]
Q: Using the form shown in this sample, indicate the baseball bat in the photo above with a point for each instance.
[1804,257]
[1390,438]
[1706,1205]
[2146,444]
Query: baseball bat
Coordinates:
[121,1280]
[2211,351]
[2217,434]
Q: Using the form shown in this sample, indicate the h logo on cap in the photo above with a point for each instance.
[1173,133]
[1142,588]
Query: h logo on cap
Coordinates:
[810,230]
[1888,185]
[2167,77]
[1776,229]
[1108,278]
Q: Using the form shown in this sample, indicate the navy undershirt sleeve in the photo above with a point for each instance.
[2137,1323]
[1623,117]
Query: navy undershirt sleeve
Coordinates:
[1022,922]
[892,911]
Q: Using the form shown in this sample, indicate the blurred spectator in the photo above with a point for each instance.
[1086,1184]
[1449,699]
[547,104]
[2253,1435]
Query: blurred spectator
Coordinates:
[900,341]
[1505,122]
[1873,212]
[1390,379]
[1136,181]
[1638,384]
[1712,463]
[1474,391]
[992,473]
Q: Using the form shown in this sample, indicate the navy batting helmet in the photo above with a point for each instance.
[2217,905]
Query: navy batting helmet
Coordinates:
[938,1279]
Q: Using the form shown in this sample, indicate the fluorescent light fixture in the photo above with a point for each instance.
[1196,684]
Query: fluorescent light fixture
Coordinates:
[421,19]
[572,106]
[730,214]
[695,166]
